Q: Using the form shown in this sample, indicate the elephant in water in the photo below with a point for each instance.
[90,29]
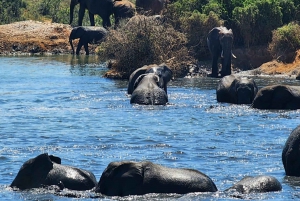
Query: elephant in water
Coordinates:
[103,8]
[219,41]
[258,184]
[86,35]
[291,153]
[46,170]
[147,91]
[278,97]
[163,71]
[237,90]
[138,178]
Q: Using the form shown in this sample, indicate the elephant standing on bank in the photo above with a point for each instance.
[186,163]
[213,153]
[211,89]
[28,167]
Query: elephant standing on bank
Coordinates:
[150,7]
[86,35]
[237,90]
[147,91]
[123,9]
[103,8]
[278,97]
[139,178]
[219,43]
[46,170]
[258,184]
[291,154]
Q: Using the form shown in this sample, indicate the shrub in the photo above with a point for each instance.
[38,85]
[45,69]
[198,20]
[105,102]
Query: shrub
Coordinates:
[196,27]
[285,42]
[10,11]
[143,41]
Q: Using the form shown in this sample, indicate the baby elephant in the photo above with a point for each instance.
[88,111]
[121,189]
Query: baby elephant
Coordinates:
[237,90]
[86,35]
[139,178]
[258,184]
[45,170]
[147,90]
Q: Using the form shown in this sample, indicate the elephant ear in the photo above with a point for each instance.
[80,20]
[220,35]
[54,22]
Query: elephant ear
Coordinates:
[233,90]
[138,80]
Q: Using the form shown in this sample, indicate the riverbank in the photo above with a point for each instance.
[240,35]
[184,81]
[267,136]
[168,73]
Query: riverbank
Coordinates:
[32,37]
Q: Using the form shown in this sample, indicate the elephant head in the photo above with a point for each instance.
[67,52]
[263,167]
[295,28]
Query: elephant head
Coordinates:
[150,7]
[165,74]
[45,170]
[147,91]
[244,90]
[76,32]
[134,75]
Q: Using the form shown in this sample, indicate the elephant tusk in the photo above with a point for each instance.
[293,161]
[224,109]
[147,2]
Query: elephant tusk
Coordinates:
[233,55]
[222,54]
[157,78]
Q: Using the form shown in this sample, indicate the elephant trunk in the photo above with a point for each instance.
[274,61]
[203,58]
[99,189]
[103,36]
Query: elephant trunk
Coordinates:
[71,43]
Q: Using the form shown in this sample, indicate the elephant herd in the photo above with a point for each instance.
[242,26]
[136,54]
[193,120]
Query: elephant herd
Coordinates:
[124,178]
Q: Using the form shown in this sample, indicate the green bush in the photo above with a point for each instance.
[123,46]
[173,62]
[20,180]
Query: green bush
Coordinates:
[143,41]
[285,42]
[11,11]
[196,27]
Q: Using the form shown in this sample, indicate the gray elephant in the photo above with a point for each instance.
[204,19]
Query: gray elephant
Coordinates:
[162,70]
[138,178]
[46,170]
[147,91]
[86,35]
[103,8]
[150,7]
[237,90]
[123,9]
[258,184]
[277,97]
[291,153]
[219,43]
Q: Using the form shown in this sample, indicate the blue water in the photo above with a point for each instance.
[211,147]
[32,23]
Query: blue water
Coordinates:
[64,106]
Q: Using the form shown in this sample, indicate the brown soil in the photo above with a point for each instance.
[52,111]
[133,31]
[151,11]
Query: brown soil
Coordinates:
[32,37]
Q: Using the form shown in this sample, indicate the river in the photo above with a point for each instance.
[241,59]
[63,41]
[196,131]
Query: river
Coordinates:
[62,105]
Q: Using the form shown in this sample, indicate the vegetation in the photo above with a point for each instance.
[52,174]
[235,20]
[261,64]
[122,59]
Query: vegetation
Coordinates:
[272,23]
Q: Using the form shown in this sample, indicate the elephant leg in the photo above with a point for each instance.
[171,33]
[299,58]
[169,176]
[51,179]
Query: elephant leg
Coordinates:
[92,19]
[215,69]
[81,14]
[86,48]
[80,44]
[106,21]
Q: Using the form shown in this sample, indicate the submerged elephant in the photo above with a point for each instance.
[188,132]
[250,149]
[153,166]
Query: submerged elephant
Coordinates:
[237,90]
[150,7]
[138,178]
[291,153]
[278,97]
[162,70]
[147,91]
[123,9]
[258,184]
[103,8]
[46,170]
[219,43]
[86,35]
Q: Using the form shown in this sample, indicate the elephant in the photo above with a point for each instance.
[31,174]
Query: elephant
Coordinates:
[150,7]
[147,91]
[258,184]
[123,9]
[138,178]
[46,170]
[162,70]
[291,152]
[86,35]
[219,41]
[277,97]
[237,90]
[103,8]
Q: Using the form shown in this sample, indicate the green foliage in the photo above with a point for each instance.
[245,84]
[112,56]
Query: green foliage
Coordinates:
[285,40]
[143,41]
[196,26]
[10,11]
